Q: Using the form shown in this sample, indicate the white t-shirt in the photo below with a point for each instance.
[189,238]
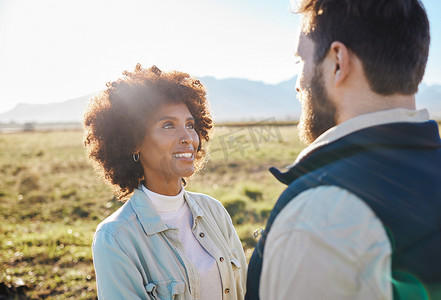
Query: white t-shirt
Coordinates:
[175,212]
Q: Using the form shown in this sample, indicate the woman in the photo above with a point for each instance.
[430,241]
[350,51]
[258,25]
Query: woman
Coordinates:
[146,132]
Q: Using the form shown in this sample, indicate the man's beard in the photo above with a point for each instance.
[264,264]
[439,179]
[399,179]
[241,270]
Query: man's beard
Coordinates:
[318,111]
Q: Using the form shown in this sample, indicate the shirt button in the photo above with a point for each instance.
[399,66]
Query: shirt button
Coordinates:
[227,290]
[221,260]
[201,234]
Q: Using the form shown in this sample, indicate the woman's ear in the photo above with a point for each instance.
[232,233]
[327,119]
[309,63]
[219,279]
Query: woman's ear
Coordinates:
[339,56]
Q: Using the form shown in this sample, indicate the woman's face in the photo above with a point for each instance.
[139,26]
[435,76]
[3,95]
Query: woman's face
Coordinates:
[170,145]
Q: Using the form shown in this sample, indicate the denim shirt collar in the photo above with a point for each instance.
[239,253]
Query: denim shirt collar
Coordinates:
[148,217]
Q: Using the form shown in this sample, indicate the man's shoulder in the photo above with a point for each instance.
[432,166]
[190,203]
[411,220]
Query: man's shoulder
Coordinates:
[334,202]
[328,240]
[334,215]
[326,199]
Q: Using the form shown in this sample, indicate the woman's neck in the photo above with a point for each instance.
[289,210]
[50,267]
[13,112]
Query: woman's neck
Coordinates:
[167,188]
[163,203]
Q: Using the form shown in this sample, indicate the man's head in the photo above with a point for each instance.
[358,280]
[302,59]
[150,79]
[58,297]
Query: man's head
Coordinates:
[389,38]
[318,110]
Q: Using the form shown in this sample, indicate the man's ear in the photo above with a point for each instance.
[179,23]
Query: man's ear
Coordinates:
[339,55]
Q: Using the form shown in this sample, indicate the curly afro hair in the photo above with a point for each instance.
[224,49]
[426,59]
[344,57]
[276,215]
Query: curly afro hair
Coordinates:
[115,121]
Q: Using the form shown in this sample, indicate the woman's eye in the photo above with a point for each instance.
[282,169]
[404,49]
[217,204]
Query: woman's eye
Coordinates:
[190,125]
[167,126]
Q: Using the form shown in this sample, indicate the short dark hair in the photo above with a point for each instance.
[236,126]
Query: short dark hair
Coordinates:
[390,37]
[116,119]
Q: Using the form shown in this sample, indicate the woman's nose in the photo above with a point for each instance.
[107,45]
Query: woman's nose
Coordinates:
[186,138]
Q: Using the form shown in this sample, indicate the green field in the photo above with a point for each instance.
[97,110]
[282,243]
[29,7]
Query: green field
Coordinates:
[51,201]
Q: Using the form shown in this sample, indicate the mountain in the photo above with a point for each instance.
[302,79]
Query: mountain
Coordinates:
[57,112]
[230,100]
[245,100]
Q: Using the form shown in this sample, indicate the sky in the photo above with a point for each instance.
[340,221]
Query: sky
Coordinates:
[55,50]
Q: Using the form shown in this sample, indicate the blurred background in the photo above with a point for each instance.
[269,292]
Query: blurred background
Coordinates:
[59,53]
[55,55]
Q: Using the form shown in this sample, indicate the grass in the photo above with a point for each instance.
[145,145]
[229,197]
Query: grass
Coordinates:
[51,201]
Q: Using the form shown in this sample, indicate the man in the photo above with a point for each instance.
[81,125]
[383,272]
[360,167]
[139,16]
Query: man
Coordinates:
[361,216]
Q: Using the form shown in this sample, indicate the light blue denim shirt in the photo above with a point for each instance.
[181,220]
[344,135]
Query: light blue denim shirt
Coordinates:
[137,256]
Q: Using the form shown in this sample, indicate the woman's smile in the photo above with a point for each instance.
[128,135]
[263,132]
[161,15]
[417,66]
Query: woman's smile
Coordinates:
[184,155]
